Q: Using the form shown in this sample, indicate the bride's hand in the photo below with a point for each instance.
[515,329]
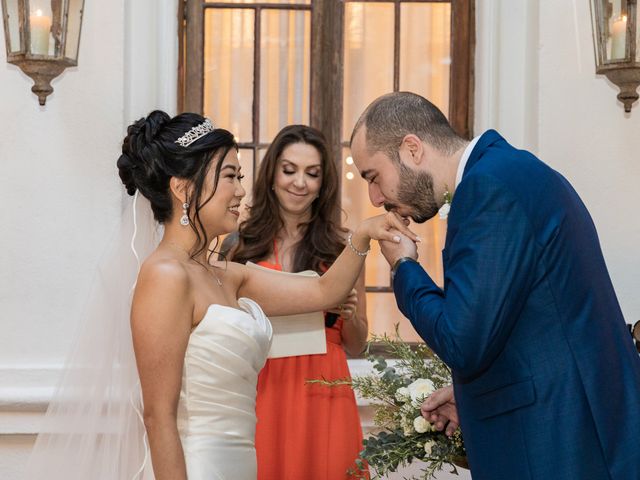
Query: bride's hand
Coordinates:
[394,251]
[385,227]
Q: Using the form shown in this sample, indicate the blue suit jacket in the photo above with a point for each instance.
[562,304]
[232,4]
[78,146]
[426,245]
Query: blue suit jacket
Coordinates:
[546,377]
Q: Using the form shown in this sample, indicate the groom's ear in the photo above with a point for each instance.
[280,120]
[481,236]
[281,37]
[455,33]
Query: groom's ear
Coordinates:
[412,148]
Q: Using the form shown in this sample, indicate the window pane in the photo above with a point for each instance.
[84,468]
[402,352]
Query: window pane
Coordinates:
[13,19]
[279,2]
[40,19]
[261,153]
[425,51]
[617,26]
[284,70]
[356,205]
[228,70]
[368,57]
[245,157]
[383,314]
[74,20]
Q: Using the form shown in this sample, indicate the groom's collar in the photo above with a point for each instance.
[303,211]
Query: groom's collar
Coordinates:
[485,140]
[463,160]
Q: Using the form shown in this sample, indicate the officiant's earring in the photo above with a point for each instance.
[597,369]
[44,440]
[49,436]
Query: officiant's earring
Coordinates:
[184,220]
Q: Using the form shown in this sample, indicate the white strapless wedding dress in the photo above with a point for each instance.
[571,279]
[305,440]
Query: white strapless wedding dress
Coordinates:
[217,407]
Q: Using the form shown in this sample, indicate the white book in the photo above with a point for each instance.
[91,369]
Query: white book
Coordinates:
[301,334]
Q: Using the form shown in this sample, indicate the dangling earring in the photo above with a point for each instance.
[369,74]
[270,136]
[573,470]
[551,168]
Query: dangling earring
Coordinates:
[184,220]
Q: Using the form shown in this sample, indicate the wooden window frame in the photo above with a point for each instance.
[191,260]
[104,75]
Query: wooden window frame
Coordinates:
[326,72]
[327,55]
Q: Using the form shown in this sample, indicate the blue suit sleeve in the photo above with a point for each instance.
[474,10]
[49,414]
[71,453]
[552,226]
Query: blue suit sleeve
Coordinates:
[490,267]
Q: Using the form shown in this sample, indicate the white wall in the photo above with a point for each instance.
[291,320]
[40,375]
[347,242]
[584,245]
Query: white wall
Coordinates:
[57,188]
[59,197]
[535,83]
[584,133]
[61,194]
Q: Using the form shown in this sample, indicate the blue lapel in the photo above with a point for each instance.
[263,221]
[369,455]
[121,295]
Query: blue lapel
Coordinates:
[487,139]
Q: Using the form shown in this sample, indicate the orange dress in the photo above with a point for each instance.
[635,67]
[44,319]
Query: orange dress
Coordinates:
[304,431]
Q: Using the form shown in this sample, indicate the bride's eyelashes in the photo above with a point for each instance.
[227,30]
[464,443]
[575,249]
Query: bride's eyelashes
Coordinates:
[233,176]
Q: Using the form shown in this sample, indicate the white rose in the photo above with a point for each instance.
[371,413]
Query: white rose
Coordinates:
[444,211]
[402,394]
[421,425]
[421,389]
[428,446]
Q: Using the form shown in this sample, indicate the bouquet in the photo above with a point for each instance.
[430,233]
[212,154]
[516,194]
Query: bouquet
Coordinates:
[397,389]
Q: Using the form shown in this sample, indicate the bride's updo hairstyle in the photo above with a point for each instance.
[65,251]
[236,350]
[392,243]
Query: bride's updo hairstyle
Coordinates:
[151,156]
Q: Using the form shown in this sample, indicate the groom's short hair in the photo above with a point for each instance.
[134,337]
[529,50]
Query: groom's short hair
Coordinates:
[391,117]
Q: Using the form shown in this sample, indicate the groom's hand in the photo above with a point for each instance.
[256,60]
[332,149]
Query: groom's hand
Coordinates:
[440,409]
[404,248]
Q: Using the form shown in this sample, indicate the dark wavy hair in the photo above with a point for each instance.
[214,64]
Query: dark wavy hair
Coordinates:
[150,157]
[323,237]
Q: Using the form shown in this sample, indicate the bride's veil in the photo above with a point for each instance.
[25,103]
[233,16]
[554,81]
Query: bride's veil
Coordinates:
[93,427]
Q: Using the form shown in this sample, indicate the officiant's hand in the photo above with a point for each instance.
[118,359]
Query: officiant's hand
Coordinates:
[441,411]
[348,306]
[392,251]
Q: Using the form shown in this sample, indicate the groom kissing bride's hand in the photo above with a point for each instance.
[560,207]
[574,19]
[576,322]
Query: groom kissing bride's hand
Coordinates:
[525,286]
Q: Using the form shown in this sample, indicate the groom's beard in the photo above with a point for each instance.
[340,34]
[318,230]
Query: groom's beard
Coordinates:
[415,190]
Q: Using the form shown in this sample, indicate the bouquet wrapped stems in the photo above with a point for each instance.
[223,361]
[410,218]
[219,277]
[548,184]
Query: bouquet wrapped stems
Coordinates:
[396,389]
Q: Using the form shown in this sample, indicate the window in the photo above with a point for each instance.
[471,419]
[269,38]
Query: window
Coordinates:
[255,66]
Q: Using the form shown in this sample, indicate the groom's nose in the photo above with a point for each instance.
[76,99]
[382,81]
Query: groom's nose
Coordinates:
[375,195]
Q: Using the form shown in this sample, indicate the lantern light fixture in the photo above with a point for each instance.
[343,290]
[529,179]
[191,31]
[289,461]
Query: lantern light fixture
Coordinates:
[42,38]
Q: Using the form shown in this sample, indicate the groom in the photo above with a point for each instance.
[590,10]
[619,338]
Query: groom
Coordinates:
[546,378]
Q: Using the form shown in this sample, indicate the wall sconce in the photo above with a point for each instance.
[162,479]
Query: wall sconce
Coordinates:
[43,38]
[617,45]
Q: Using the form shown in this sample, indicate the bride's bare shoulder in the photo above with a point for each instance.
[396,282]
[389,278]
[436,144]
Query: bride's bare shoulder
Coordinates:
[162,296]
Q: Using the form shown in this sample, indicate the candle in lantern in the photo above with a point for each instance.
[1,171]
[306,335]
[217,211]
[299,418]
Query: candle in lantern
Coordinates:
[618,38]
[40,29]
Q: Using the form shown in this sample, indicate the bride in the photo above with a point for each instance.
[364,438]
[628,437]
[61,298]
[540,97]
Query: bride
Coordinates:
[199,330]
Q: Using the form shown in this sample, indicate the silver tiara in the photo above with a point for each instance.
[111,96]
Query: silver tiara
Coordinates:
[195,133]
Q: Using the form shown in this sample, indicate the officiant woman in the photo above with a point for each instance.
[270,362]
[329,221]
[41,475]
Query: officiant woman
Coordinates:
[303,431]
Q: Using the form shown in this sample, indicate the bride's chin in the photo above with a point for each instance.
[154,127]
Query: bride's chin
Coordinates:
[220,228]
[229,226]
